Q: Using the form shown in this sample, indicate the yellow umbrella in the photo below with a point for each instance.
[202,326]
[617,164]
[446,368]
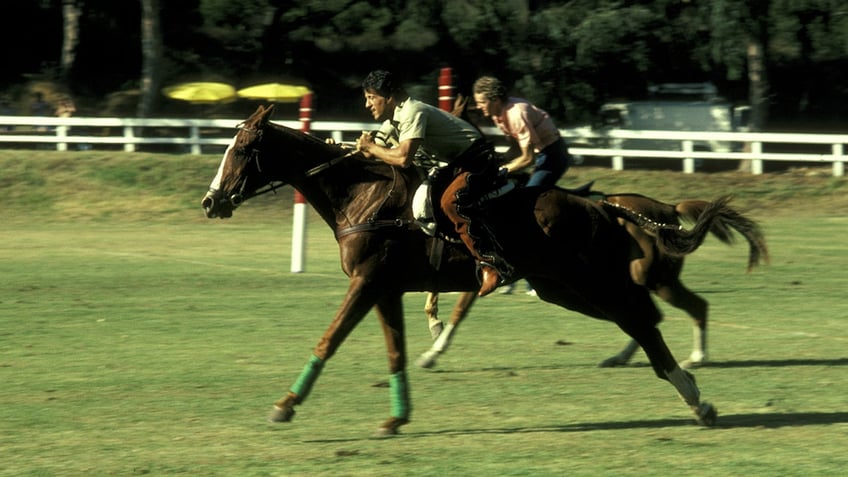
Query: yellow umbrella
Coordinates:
[275,92]
[201,92]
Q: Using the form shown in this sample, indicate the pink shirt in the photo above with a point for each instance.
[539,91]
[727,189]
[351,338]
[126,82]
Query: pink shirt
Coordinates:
[527,124]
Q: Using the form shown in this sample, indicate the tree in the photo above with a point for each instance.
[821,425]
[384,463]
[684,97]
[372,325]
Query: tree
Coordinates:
[739,39]
[568,55]
[809,60]
[71,10]
[151,53]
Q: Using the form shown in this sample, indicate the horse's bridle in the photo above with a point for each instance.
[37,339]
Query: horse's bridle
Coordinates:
[274,185]
[239,197]
[372,222]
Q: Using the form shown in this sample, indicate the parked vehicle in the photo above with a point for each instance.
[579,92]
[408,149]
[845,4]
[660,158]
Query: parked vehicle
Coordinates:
[676,107]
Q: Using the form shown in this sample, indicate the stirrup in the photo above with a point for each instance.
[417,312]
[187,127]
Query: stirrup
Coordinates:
[427,226]
[501,274]
[490,279]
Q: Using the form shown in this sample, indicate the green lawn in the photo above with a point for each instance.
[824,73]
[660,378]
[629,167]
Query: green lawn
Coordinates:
[137,338]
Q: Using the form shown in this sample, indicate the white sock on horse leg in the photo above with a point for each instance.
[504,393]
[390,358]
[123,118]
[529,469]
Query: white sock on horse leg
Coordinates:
[444,338]
[699,344]
[685,386]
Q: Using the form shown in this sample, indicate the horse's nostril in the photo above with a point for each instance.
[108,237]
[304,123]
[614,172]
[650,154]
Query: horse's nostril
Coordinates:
[207,202]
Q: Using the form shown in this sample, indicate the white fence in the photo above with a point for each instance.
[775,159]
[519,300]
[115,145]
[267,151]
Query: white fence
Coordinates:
[198,136]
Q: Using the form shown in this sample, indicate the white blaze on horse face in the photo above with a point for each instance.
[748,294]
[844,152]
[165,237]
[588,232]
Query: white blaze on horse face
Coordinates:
[216,182]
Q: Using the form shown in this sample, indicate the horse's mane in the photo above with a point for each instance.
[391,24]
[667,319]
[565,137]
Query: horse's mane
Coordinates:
[356,167]
[315,145]
[305,139]
[259,120]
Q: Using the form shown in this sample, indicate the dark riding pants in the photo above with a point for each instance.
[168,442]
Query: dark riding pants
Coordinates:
[551,163]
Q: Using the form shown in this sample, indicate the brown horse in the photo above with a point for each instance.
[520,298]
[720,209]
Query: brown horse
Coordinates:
[654,269]
[573,251]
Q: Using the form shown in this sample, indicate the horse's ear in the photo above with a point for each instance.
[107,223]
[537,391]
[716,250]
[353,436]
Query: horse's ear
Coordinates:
[261,115]
[266,114]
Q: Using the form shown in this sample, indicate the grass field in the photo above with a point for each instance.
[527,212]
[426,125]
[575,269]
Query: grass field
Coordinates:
[137,338]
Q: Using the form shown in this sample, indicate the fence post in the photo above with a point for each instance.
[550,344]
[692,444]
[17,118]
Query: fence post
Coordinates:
[838,160]
[61,131]
[617,161]
[129,135]
[298,255]
[688,162]
[446,90]
[756,164]
[194,133]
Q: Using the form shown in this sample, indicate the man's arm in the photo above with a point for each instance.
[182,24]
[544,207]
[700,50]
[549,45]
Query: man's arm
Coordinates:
[401,155]
[522,161]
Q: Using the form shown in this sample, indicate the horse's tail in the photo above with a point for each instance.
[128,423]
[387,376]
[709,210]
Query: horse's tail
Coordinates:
[677,241]
[726,221]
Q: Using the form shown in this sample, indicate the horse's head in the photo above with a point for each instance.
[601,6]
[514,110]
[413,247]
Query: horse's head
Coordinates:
[240,174]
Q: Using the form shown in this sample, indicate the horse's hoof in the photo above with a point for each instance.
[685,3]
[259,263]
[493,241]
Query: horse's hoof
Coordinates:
[614,362]
[706,414]
[436,329]
[692,363]
[281,414]
[427,360]
[391,426]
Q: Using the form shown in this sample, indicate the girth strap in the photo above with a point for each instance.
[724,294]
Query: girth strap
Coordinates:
[374,225]
[436,251]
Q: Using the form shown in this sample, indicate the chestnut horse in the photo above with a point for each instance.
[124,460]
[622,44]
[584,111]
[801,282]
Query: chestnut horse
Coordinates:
[657,271]
[573,251]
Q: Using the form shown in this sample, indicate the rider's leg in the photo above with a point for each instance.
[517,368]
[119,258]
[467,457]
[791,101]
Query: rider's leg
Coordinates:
[551,163]
[457,204]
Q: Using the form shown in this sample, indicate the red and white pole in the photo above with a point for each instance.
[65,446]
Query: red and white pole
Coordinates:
[298,253]
[447,94]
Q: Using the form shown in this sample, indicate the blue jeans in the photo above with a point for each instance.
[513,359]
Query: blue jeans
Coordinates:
[551,164]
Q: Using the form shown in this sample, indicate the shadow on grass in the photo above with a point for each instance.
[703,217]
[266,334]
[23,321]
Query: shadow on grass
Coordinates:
[759,363]
[774,421]
[732,421]
[777,363]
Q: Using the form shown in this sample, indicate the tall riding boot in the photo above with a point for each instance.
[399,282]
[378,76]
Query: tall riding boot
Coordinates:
[460,204]
[491,269]
[489,279]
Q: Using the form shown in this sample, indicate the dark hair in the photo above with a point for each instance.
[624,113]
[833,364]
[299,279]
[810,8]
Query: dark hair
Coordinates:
[381,82]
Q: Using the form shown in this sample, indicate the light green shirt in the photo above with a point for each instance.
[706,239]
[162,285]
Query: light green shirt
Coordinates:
[443,135]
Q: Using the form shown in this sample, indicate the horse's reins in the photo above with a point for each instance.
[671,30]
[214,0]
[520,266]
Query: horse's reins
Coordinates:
[372,222]
[311,172]
[322,167]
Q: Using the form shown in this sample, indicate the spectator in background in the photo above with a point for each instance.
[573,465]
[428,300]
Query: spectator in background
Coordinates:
[65,108]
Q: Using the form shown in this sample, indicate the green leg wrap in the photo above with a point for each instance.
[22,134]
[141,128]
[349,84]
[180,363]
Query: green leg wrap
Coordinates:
[307,377]
[399,389]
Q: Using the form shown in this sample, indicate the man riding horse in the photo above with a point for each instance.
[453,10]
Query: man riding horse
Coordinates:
[411,127]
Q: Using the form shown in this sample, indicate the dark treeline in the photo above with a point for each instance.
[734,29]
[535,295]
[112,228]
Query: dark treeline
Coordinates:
[787,58]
